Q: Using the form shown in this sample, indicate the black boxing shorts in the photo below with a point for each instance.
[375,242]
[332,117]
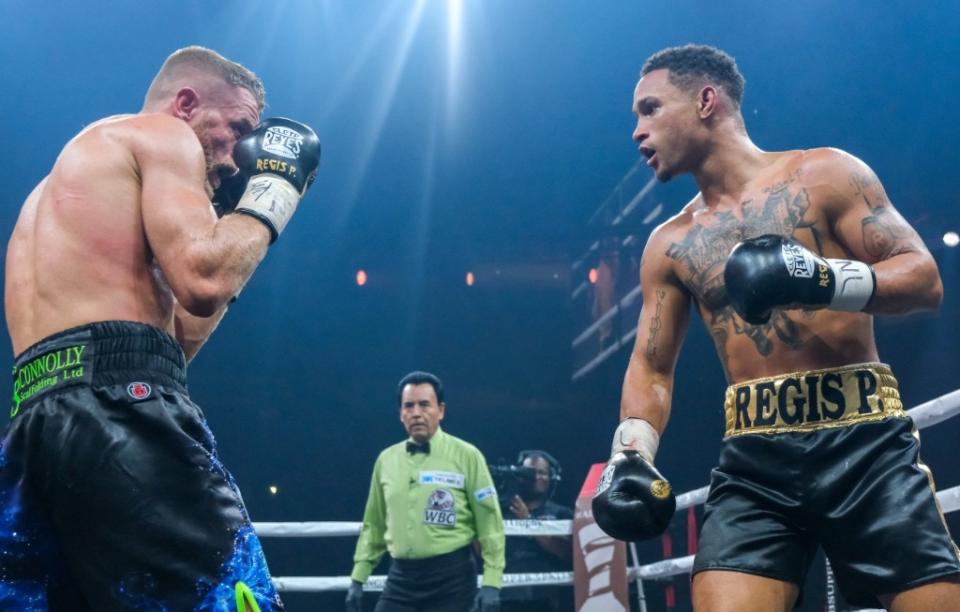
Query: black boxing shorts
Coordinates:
[112,496]
[829,458]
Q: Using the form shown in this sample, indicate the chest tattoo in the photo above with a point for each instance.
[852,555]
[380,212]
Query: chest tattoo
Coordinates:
[702,254]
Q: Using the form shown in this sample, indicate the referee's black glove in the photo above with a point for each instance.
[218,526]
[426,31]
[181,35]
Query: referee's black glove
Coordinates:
[487,600]
[355,597]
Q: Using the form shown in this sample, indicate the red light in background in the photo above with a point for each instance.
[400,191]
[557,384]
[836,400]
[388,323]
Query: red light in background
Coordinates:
[361,278]
[592,275]
[470,279]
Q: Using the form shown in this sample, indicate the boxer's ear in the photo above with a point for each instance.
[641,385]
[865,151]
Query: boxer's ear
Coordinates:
[186,103]
[707,101]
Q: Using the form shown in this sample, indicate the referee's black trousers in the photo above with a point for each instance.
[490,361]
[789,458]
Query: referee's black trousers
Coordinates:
[445,583]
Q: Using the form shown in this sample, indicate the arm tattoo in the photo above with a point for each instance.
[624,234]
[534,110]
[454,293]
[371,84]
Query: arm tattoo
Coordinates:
[655,325]
[881,233]
[862,184]
[881,239]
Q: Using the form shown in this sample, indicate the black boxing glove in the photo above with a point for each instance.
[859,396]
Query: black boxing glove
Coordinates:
[633,500]
[772,271]
[229,192]
[280,157]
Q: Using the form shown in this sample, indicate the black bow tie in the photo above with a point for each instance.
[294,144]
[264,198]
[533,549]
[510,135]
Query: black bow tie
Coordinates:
[414,448]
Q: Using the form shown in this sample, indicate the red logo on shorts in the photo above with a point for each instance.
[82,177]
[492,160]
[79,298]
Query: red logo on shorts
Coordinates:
[139,390]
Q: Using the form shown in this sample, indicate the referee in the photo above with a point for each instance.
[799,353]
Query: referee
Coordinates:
[430,497]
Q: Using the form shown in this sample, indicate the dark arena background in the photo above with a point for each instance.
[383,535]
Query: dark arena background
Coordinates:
[491,138]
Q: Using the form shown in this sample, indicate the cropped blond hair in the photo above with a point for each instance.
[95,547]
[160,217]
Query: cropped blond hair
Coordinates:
[185,64]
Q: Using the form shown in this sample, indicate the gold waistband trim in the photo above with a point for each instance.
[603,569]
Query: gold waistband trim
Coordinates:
[816,399]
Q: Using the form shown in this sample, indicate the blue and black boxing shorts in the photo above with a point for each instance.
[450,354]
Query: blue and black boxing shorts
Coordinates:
[112,496]
[828,458]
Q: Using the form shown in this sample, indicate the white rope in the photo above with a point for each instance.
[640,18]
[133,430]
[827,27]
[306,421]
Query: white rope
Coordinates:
[308,584]
[662,569]
[322,584]
[692,498]
[307,529]
[328,529]
[538,579]
[936,410]
[949,499]
[536,527]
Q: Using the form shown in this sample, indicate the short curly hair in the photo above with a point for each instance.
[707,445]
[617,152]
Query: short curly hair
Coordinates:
[692,66]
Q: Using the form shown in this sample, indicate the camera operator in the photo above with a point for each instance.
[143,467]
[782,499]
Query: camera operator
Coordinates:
[536,481]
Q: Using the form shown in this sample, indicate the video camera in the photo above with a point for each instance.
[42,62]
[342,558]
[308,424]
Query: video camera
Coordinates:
[510,479]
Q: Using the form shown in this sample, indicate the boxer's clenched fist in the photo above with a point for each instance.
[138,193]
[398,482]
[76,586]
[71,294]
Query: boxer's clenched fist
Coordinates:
[280,159]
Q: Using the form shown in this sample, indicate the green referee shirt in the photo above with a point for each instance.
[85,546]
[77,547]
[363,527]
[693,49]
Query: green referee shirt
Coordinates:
[427,504]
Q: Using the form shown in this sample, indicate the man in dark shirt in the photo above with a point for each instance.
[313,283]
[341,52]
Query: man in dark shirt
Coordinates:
[538,553]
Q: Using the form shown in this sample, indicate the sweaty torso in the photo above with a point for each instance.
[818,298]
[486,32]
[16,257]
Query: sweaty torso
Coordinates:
[78,252]
[775,202]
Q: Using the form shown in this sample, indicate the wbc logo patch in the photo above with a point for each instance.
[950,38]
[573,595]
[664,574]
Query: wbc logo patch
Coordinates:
[440,509]
[139,390]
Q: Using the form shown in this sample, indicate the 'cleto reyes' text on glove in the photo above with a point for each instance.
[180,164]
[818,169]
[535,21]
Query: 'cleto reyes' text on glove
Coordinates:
[279,158]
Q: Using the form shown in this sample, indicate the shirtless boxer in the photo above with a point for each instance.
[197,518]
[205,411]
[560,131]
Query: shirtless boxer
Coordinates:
[818,449]
[112,496]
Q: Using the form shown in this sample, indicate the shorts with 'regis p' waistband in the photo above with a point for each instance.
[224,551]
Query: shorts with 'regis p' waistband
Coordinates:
[830,458]
[112,496]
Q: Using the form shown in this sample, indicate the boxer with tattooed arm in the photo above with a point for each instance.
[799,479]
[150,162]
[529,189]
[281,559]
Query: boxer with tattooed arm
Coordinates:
[786,256]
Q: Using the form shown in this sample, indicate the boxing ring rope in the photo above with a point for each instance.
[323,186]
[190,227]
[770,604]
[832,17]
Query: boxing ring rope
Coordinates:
[924,415]
[327,529]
